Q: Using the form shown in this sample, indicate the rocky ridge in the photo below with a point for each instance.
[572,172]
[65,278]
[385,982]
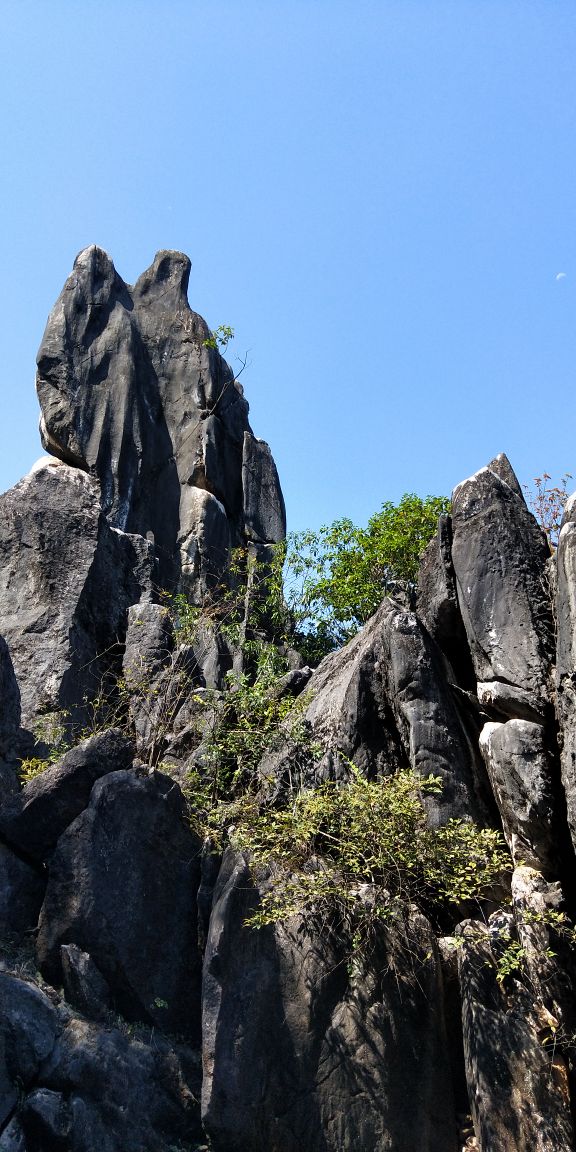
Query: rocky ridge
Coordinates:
[137,1009]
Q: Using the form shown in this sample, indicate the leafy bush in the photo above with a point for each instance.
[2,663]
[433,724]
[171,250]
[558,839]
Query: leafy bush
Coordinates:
[330,843]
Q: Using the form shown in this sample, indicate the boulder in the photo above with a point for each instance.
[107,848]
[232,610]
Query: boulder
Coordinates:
[499,555]
[305,1046]
[122,887]
[33,821]
[80,1086]
[520,771]
[66,581]
[83,984]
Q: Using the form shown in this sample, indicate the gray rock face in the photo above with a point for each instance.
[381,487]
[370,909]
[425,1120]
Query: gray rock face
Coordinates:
[521,774]
[307,1045]
[566,657]
[81,1086]
[130,392]
[300,1052]
[10,711]
[499,555]
[518,1088]
[437,603]
[21,895]
[122,887]
[384,702]
[66,580]
[33,821]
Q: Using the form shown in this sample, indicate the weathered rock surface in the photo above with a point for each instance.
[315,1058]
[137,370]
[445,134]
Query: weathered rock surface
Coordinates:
[122,887]
[80,1086]
[302,1050]
[131,392]
[518,1083]
[33,821]
[384,703]
[499,555]
[66,581]
[21,894]
[520,771]
[566,656]
[305,1043]
[437,603]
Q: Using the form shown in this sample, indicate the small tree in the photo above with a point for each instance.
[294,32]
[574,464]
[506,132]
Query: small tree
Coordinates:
[337,577]
[547,501]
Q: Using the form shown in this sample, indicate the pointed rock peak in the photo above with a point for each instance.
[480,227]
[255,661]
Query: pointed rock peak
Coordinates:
[95,267]
[499,467]
[502,467]
[167,275]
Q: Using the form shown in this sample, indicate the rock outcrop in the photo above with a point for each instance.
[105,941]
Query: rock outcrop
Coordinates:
[138,1009]
[133,392]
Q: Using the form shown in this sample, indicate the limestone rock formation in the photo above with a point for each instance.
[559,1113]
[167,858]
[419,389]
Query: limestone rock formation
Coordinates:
[300,1051]
[138,1010]
[132,393]
[122,886]
[66,581]
[385,702]
[499,555]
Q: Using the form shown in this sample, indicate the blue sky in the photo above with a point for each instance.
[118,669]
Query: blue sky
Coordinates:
[378,196]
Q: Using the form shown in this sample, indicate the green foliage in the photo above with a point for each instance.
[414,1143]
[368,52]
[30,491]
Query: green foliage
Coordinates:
[220,338]
[329,843]
[337,577]
[52,739]
[249,718]
[547,502]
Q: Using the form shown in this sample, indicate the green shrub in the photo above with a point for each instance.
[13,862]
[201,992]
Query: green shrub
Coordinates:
[327,845]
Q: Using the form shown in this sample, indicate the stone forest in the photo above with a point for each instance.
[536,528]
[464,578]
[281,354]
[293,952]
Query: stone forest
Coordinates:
[248,905]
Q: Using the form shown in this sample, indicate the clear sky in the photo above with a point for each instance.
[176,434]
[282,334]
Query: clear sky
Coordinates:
[380,197]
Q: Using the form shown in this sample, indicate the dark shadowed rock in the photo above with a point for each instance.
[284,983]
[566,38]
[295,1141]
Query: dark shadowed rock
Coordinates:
[82,1087]
[48,803]
[13,1138]
[384,702]
[21,894]
[131,392]
[122,887]
[499,555]
[302,1050]
[9,700]
[46,1120]
[66,580]
[437,603]
[84,985]
[518,1085]
[520,771]
[29,1026]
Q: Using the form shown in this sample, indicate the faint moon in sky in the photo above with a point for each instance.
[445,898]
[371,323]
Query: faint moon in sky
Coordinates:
[561,276]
